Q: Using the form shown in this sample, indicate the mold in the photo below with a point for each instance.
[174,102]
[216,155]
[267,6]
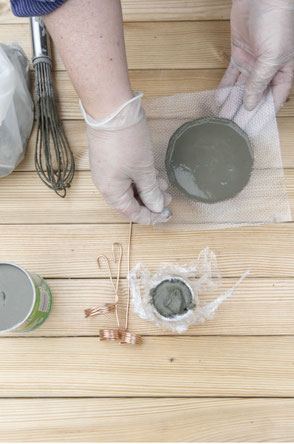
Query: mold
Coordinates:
[209,160]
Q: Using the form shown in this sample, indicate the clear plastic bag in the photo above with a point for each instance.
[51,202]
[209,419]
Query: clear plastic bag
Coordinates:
[202,276]
[16,107]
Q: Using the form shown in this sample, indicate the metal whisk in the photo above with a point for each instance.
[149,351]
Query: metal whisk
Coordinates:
[54,161]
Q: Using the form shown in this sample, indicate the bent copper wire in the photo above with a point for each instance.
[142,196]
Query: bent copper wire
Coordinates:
[99,309]
[106,308]
[115,287]
[126,336]
[129,255]
[118,261]
[112,334]
[109,335]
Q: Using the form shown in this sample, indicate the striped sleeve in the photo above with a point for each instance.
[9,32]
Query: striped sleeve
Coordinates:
[30,8]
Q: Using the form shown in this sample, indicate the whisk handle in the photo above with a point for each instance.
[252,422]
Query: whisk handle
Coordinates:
[40,40]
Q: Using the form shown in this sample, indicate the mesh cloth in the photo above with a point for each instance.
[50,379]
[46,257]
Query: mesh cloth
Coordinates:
[264,199]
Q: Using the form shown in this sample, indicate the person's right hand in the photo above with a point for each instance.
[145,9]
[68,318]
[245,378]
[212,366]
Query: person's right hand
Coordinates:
[262,41]
[121,160]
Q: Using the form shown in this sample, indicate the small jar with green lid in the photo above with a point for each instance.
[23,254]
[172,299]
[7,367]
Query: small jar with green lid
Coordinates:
[25,299]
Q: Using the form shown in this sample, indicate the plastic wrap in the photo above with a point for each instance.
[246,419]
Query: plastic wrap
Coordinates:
[16,107]
[202,276]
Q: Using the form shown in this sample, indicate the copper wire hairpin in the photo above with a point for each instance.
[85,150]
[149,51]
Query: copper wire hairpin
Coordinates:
[124,336]
[106,308]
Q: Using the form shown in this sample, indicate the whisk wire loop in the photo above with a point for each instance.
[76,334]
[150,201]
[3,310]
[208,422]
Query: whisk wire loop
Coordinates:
[54,160]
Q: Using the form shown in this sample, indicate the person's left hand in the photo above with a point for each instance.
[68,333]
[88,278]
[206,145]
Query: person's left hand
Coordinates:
[122,164]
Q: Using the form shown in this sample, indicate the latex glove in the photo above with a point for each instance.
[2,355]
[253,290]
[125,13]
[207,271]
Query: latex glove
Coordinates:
[262,46]
[121,161]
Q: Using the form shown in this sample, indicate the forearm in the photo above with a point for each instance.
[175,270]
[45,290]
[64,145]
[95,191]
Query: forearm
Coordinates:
[89,37]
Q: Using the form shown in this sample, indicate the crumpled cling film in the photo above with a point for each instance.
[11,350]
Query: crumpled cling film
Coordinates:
[264,199]
[202,276]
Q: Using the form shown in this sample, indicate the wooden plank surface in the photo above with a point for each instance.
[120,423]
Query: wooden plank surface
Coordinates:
[162,366]
[170,10]
[71,250]
[26,200]
[6,16]
[76,133]
[257,307]
[60,239]
[152,10]
[153,83]
[156,45]
[147,420]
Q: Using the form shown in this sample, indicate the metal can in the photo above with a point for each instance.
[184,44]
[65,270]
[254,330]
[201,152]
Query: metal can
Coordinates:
[25,299]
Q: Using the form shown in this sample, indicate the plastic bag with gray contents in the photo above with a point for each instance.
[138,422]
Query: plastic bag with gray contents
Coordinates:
[16,107]
[170,297]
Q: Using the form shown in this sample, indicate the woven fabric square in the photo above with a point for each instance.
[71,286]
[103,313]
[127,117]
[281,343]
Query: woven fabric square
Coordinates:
[264,199]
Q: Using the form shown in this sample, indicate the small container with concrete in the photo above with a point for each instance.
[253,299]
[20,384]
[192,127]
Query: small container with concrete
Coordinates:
[170,297]
[173,298]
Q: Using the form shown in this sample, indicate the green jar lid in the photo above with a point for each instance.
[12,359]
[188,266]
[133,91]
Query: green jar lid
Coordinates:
[172,297]
[209,160]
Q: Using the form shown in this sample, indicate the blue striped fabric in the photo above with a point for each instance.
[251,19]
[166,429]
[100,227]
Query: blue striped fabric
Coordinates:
[30,8]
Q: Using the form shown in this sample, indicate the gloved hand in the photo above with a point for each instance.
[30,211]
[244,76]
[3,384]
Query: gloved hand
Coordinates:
[121,160]
[262,43]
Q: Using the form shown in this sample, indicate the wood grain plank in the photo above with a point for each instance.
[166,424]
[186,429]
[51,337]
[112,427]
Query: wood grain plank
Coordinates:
[6,16]
[155,45]
[170,10]
[147,420]
[162,366]
[71,250]
[153,83]
[257,307]
[152,10]
[76,133]
[23,194]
